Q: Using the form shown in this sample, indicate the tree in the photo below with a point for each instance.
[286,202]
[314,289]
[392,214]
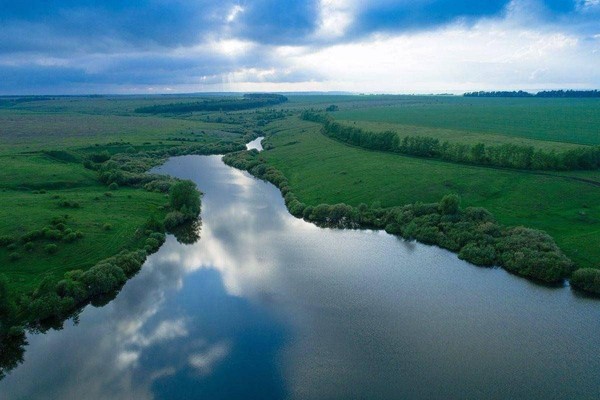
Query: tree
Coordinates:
[184,197]
[450,204]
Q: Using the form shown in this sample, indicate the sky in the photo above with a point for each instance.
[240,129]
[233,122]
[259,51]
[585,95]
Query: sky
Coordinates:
[364,46]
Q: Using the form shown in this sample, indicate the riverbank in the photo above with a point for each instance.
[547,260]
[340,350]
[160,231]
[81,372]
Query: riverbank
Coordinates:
[472,233]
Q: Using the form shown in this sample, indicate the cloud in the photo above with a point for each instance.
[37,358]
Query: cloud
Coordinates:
[206,361]
[128,46]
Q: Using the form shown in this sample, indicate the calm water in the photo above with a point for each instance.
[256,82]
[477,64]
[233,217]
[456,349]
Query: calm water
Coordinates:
[266,306]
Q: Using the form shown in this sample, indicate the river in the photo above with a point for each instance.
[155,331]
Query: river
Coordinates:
[267,306]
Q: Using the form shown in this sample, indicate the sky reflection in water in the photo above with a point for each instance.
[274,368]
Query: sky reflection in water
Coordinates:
[268,306]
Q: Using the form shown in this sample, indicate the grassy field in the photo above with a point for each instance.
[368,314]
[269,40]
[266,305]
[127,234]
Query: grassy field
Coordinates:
[42,148]
[321,170]
[34,180]
[573,121]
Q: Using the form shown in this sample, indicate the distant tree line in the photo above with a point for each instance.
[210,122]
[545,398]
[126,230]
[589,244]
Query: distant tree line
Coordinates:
[9,101]
[545,93]
[505,155]
[249,101]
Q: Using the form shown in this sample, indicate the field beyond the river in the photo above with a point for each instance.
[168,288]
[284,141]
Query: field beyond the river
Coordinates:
[565,204]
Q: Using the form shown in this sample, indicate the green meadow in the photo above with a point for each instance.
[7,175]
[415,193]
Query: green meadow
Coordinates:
[43,145]
[322,170]
[573,121]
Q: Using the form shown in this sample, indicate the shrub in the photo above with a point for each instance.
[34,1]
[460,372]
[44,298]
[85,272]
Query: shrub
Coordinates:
[532,253]
[28,246]
[5,240]
[33,235]
[450,204]
[113,186]
[71,237]
[152,244]
[184,197]
[479,255]
[11,247]
[103,278]
[72,286]
[68,204]
[174,219]
[107,227]
[51,248]
[587,279]
[14,256]
[52,234]
[108,194]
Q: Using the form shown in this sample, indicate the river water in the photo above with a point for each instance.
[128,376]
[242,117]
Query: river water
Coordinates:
[266,306]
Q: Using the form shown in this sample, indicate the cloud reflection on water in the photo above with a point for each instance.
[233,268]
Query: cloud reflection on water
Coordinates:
[268,306]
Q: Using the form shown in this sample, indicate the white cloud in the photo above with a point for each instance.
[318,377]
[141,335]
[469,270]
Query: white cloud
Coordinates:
[234,12]
[335,16]
[205,361]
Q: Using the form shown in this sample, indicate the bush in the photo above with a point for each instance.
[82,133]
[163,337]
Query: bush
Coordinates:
[51,248]
[184,197]
[108,194]
[70,237]
[107,227]
[11,247]
[587,279]
[532,253]
[28,247]
[113,186]
[103,278]
[174,219]
[479,255]
[14,256]
[68,204]
[52,234]
[450,204]
[33,235]
[152,244]
[6,240]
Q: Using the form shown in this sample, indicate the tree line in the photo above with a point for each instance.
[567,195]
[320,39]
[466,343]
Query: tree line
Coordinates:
[544,93]
[505,155]
[471,232]
[248,101]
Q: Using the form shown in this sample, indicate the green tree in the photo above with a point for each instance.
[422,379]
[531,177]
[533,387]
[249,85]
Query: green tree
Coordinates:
[185,197]
[450,204]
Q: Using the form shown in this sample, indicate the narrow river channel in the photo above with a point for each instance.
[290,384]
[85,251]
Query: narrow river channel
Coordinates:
[267,306]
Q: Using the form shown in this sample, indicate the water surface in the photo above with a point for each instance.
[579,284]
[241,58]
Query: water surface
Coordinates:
[255,144]
[267,306]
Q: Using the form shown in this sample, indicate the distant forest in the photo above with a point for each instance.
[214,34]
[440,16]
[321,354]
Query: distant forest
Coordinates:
[545,93]
[249,101]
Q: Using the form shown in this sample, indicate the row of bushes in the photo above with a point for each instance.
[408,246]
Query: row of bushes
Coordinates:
[249,101]
[472,232]
[58,300]
[505,155]
[55,300]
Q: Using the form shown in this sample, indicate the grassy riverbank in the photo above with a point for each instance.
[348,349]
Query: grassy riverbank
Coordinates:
[45,144]
[321,170]
[76,193]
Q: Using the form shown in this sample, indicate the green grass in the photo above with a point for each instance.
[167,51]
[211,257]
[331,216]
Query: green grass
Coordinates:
[321,170]
[42,148]
[28,131]
[459,136]
[23,211]
[556,120]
